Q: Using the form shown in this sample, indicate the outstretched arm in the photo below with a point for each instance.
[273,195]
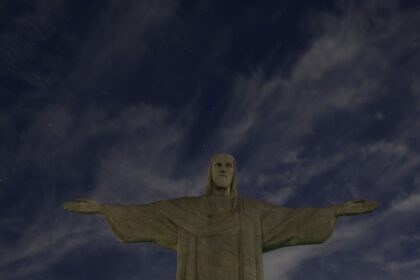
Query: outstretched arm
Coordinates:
[356,207]
[84,206]
[295,226]
[132,223]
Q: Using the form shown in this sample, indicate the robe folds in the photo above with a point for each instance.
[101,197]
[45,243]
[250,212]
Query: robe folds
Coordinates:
[220,238]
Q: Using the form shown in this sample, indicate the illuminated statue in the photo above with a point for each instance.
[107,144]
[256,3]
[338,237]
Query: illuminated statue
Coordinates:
[221,236]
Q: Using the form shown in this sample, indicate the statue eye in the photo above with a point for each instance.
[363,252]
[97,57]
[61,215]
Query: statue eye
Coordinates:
[228,165]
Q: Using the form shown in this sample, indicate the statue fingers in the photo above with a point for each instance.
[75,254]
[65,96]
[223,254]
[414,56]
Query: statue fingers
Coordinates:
[71,206]
[363,206]
[80,206]
[356,207]
[357,203]
[376,204]
[372,205]
[366,207]
[66,205]
[84,200]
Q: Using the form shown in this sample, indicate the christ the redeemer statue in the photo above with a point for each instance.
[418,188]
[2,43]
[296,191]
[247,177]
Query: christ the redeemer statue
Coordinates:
[220,236]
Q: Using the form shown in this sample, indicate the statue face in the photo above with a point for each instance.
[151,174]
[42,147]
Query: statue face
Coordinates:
[222,170]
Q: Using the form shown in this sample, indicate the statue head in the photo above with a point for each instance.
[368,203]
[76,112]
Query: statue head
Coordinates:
[222,175]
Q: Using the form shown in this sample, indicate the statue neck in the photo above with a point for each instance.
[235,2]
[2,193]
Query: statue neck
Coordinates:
[221,191]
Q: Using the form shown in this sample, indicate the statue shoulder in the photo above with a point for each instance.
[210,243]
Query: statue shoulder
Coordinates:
[186,203]
[255,204]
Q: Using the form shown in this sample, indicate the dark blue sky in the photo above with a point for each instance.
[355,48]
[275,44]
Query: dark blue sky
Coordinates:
[126,101]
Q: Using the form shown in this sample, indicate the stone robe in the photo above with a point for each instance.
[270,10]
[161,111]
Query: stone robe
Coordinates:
[220,238]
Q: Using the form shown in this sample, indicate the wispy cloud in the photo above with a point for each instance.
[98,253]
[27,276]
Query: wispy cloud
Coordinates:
[119,39]
[409,203]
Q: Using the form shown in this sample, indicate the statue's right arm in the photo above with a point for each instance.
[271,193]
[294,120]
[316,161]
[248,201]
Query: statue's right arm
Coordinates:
[84,206]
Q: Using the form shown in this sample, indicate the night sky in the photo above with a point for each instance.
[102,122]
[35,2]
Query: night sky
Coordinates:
[125,101]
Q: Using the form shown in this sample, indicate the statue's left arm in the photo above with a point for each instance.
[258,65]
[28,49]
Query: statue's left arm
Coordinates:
[297,226]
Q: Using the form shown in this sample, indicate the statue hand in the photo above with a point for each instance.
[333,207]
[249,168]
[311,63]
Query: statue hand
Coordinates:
[84,206]
[356,207]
